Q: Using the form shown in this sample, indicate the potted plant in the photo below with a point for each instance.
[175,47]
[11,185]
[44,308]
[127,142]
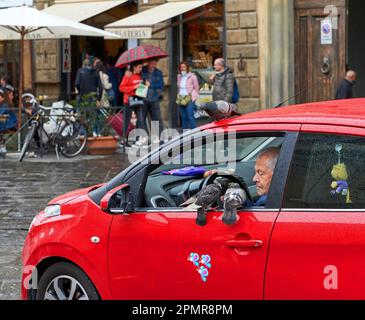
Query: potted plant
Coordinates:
[92,117]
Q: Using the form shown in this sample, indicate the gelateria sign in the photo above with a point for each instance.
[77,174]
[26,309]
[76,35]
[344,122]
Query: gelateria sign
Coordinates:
[15,3]
[132,33]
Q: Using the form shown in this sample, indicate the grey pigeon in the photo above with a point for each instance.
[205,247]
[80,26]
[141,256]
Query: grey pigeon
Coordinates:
[234,198]
[206,197]
[221,182]
[218,110]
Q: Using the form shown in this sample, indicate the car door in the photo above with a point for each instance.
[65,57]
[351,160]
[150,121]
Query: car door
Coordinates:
[161,253]
[318,242]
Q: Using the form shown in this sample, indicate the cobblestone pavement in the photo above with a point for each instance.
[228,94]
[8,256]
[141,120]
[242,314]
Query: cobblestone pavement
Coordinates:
[26,188]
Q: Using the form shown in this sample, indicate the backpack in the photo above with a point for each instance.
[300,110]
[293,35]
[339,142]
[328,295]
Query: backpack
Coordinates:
[236,92]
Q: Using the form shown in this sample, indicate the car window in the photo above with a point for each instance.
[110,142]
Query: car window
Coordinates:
[327,172]
[227,154]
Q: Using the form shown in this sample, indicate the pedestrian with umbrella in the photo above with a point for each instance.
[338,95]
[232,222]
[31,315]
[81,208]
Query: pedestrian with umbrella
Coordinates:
[135,58]
[128,86]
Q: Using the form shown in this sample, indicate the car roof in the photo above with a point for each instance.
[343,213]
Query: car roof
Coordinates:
[350,112]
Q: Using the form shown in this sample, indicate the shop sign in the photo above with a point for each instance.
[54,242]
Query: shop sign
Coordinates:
[326,31]
[15,3]
[132,33]
[66,55]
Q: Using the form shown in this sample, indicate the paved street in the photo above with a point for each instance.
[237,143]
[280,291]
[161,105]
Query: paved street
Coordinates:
[26,189]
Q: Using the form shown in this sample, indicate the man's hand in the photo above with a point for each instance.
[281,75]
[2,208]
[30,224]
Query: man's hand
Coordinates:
[212,77]
[210,173]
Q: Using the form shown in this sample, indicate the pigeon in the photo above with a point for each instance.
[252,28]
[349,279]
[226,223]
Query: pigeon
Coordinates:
[234,198]
[206,197]
[218,110]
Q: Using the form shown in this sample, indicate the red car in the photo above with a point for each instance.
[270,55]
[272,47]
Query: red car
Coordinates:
[131,239]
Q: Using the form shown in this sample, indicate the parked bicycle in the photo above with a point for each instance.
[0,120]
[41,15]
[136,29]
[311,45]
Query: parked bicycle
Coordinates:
[57,126]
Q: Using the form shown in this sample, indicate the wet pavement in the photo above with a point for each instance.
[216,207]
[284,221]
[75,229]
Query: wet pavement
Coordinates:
[26,188]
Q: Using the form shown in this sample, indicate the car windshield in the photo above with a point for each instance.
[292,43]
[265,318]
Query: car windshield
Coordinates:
[220,149]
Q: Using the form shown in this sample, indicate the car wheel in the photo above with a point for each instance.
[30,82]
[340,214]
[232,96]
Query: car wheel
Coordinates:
[65,281]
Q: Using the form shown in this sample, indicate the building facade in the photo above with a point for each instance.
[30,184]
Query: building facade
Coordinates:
[279,49]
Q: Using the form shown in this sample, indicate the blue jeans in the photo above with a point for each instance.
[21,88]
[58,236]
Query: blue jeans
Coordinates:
[187,116]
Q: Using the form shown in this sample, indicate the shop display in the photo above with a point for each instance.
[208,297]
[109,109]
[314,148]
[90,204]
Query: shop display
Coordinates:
[203,38]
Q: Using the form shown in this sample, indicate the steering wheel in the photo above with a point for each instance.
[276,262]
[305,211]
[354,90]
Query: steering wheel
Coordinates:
[234,179]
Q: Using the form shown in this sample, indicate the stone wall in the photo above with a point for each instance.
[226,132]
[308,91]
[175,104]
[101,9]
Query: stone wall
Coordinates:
[159,40]
[243,50]
[47,77]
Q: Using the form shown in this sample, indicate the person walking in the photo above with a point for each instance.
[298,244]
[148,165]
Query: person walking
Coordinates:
[223,82]
[152,107]
[108,96]
[188,92]
[88,83]
[128,86]
[344,90]
[115,77]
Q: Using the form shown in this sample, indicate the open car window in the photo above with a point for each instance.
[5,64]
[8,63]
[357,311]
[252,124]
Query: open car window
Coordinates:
[226,153]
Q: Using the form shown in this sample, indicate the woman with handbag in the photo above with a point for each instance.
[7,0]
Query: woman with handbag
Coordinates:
[188,92]
[129,85]
[108,96]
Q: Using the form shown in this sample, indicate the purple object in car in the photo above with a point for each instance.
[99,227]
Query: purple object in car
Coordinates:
[187,171]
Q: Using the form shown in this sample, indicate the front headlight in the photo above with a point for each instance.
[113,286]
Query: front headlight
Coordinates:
[52,211]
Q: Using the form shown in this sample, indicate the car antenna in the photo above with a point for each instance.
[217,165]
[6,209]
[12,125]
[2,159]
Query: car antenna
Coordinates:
[292,97]
[297,94]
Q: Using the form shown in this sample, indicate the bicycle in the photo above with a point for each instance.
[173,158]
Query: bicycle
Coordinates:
[63,131]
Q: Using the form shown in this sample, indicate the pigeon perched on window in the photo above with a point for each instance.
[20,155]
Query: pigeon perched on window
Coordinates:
[218,110]
[234,198]
[206,197]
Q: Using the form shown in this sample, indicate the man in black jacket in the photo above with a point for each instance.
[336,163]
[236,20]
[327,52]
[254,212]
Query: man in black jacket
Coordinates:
[344,90]
[88,81]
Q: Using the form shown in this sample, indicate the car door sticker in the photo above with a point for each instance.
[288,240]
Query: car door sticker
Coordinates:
[202,263]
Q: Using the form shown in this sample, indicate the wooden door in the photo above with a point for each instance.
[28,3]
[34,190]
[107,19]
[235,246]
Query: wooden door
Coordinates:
[318,67]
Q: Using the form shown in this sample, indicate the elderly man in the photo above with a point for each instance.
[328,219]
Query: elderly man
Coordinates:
[223,81]
[264,170]
[344,90]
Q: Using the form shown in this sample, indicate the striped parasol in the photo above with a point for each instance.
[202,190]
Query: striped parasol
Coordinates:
[140,53]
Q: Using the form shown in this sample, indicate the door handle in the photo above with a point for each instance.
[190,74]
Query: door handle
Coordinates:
[326,66]
[244,243]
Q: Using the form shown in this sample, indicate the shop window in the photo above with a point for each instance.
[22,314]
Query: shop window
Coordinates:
[327,172]
[203,36]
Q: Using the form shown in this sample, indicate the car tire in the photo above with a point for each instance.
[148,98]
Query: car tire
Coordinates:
[60,279]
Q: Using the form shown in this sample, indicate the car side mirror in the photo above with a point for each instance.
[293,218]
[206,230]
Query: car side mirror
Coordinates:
[118,200]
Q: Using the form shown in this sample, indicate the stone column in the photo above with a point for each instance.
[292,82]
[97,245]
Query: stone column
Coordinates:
[243,50]
[276,41]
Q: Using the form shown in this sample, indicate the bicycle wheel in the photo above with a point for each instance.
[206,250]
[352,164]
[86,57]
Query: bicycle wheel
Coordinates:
[27,140]
[71,139]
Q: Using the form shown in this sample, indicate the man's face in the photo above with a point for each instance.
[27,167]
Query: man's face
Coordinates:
[263,175]
[152,65]
[217,66]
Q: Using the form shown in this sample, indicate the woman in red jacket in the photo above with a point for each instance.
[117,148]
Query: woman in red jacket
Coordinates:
[128,86]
